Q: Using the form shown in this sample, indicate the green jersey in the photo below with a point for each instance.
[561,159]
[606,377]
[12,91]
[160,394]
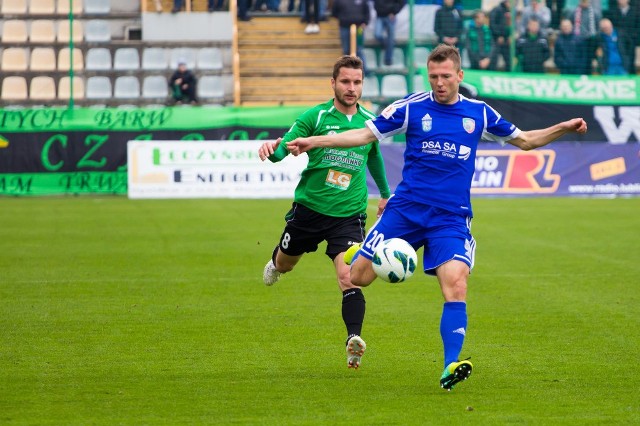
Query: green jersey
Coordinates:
[334,182]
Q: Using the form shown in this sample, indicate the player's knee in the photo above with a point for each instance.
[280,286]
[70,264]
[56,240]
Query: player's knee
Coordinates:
[455,290]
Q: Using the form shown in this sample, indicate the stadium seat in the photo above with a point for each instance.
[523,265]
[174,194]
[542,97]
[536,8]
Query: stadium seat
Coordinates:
[14,31]
[371,58]
[98,59]
[64,31]
[209,59]
[98,87]
[393,86]
[182,53]
[126,87]
[14,88]
[398,59]
[14,59]
[420,55]
[63,7]
[155,86]
[126,58]
[97,6]
[64,60]
[370,87]
[14,7]
[418,83]
[42,88]
[98,30]
[42,31]
[43,59]
[42,7]
[210,86]
[64,88]
[154,59]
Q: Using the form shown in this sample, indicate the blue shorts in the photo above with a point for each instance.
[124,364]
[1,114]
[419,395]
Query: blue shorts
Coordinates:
[444,235]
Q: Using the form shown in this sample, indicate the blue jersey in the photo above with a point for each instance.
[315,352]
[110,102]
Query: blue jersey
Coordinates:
[440,153]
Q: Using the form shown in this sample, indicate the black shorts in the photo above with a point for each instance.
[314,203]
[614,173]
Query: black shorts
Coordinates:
[307,228]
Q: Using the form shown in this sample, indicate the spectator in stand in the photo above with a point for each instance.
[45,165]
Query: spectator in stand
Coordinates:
[243,7]
[311,16]
[626,20]
[215,5]
[478,42]
[541,12]
[322,17]
[266,5]
[608,51]
[183,84]
[532,49]
[385,30]
[350,12]
[570,51]
[448,24]
[585,19]
[500,25]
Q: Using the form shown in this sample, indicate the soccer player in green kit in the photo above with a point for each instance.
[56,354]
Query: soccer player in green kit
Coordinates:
[330,201]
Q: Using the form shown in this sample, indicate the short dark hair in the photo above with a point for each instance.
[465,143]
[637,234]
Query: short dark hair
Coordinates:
[347,61]
[442,52]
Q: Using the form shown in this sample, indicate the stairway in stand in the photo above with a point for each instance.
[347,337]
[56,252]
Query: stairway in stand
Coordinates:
[281,65]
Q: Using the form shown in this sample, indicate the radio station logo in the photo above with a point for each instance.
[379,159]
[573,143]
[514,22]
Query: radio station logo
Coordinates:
[515,172]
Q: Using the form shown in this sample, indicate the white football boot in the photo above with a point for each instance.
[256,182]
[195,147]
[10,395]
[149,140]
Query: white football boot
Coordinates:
[355,349]
[270,274]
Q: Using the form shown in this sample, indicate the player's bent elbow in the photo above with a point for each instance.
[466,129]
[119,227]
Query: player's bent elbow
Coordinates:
[525,144]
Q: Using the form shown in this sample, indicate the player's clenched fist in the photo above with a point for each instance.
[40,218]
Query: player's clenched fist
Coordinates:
[268,148]
[577,125]
[299,145]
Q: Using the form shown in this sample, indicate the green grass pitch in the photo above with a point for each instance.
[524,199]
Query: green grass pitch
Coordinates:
[116,311]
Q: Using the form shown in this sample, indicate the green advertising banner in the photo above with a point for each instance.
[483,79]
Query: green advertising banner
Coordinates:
[144,119]
[552,88]
[63,183]
[57,151]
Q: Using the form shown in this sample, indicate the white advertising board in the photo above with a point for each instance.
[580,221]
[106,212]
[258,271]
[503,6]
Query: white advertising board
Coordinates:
[208,169]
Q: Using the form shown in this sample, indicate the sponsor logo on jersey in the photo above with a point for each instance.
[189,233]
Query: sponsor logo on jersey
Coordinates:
[332,132]
[388,111]
[469,124]
[515,172]
[338,179]
[427,123]
[464,152]
[446,149]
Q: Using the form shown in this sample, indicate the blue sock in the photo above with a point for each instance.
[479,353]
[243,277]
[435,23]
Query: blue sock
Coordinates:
[453,327]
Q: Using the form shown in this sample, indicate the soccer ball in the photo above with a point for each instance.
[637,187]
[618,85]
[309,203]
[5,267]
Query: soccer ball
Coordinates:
[394,260]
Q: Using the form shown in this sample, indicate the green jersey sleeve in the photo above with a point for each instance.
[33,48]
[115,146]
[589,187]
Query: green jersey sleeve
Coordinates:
[375,164]
[301,128]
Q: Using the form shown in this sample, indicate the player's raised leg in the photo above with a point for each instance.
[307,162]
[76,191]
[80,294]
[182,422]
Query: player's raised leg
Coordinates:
[279,264]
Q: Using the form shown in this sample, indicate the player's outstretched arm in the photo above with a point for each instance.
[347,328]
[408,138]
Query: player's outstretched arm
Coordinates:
[350,138]
[533,139]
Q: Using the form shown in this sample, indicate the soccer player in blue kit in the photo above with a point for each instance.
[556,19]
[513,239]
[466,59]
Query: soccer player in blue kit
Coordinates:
[431,206]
